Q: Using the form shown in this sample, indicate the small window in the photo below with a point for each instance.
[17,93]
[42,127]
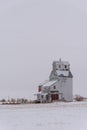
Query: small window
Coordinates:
[59,66]
[65,66]
[54,87]
[42,96]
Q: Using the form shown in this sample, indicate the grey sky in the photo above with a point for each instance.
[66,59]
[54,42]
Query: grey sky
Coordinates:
[33,33]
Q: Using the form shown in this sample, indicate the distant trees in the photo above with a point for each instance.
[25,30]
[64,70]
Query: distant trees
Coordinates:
[26,101]
[3,100]
[15,101]
[22,101]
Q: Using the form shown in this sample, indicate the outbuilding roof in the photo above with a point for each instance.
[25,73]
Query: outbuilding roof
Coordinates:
[50,83]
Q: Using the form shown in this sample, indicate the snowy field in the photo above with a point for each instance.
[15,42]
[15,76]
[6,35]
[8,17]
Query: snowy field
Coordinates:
[54,116]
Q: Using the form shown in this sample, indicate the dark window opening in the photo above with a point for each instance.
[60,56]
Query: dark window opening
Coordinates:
[47,97]
[39,88]
[42,96]
[65,66]
[54,87]
[59,66]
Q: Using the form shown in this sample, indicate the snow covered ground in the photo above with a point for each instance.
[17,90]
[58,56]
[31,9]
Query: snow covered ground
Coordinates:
[54,116]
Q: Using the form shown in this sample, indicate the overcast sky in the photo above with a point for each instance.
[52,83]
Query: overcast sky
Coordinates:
[34,33]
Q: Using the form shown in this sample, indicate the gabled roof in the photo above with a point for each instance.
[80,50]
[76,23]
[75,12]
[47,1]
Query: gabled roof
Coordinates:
[62,62]
[69,75]
[46,81]
[50,83]
[62,72]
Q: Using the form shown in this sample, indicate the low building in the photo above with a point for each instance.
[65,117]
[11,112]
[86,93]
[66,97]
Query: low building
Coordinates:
[59,87]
